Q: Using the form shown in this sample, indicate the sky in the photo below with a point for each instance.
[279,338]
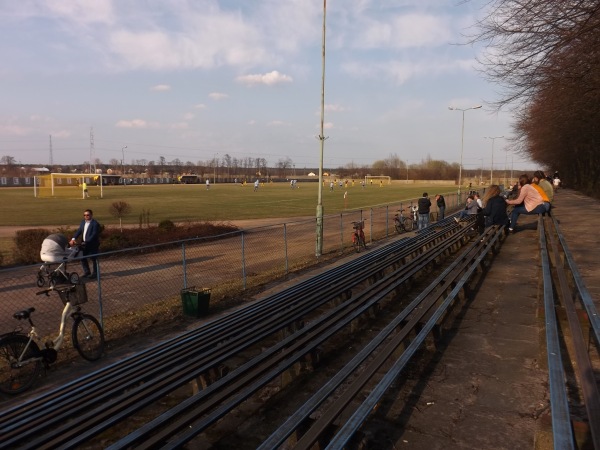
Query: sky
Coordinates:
[195,80]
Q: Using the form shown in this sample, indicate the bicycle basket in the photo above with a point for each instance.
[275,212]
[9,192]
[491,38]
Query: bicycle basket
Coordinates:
[76,294]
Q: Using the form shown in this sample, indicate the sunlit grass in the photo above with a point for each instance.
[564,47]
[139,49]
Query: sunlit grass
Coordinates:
[181,202]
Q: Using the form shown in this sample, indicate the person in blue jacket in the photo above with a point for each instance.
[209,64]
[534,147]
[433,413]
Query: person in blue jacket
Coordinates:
[89,232]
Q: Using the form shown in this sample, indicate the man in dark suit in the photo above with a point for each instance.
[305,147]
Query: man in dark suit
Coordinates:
[89,231]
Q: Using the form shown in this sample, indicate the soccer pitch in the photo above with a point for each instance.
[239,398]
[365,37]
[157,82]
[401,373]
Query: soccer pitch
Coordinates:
[193,202]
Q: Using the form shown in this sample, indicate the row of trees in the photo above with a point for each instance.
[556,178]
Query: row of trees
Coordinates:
[546,56]
[229,168]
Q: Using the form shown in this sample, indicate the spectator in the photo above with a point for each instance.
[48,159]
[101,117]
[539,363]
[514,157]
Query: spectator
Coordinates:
[556,182]
[424,208]
[471,208]
[532,202]
[541,184]
[441,205]
[478,200]
[494,209]
[542,181]
[89,231]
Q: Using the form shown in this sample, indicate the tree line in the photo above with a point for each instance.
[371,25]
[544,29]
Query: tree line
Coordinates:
[545,55]
[226,168]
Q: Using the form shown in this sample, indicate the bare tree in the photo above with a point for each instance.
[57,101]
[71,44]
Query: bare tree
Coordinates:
[546,56]
[119,210]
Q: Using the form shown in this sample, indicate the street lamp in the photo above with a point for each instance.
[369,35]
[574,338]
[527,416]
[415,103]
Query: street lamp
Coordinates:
[462,142]
[123,160]
[492,167]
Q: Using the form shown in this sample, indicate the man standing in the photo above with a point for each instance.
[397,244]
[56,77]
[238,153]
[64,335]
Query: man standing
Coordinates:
[441,205]
[89,230]
[424,207]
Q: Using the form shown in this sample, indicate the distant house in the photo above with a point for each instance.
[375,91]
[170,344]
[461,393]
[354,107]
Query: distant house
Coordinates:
[311,174]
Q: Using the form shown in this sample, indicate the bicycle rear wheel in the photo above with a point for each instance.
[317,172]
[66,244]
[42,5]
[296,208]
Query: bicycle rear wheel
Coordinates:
[16,377]
[88,337]
[408,224]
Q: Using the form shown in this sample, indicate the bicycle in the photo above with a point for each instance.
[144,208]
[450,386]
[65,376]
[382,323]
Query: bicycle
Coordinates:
[358,235]
[21,359]
[402,222]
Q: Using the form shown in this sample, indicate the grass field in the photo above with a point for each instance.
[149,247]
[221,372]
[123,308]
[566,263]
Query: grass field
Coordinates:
[189,202]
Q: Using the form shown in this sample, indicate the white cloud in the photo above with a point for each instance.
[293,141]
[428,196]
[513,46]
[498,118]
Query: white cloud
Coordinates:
[136,123]
[268,79]
[404,31]
[217,96]
[334,108]
[179,126]
[13,130]
[161,87]
[189,116]
[200,106]
[60,134]
[277,123]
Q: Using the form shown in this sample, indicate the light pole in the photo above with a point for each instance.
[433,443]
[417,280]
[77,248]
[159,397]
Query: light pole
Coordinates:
[492,166]
[481,174]
[215,168]
[319,213]
[462,142]
[123,160]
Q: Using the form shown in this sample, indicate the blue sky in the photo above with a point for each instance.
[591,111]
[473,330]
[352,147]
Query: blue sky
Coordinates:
[192,79]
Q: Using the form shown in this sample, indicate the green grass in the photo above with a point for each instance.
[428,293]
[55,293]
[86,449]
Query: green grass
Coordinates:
[181,203]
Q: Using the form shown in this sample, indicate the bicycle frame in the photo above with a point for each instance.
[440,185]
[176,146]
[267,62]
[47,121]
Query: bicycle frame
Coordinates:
[55,344]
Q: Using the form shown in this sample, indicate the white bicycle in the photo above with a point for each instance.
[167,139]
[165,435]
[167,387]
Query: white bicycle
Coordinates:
[21,358]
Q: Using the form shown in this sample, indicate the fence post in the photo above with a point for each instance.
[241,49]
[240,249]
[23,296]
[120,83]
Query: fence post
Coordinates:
[371,226]
[285,249]
[100,314]
[387,221]
[184,265]
[342,232]
[243,263]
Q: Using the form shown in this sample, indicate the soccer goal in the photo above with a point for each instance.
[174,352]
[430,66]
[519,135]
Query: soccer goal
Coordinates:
[63,185]
[377,179]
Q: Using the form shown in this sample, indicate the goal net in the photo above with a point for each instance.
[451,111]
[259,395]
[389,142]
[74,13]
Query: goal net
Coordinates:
[64,185]
[377,180]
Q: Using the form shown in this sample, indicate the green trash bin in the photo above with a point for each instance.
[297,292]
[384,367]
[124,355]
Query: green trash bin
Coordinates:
[195,302]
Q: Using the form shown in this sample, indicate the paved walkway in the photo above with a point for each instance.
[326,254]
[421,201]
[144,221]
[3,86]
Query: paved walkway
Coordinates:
[488,390]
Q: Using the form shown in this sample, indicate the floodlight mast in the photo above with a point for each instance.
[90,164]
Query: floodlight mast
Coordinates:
[492,166]
[319,237]
[462,142]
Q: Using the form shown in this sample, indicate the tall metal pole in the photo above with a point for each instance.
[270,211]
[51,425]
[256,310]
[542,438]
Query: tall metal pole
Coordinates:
[462,142]
[215,168]
[123,160]
[319,240]
[492,166]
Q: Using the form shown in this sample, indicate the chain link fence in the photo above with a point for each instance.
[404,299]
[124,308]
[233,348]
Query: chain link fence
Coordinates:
[137,288]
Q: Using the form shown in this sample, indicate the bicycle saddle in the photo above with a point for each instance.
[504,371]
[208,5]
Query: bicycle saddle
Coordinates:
[23,315]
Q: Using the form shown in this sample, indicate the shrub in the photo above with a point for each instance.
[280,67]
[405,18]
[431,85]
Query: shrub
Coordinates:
[28,244]
[166,225]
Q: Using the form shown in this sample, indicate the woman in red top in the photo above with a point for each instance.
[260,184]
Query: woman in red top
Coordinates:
[533,203]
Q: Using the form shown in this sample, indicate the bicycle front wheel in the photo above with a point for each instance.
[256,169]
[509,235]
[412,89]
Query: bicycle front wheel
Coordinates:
[88,337]
[20,364]
[408,224]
